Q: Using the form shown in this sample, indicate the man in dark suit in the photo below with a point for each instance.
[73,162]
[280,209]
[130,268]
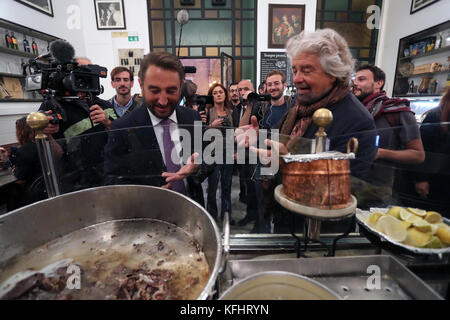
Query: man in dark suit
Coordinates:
[149,151]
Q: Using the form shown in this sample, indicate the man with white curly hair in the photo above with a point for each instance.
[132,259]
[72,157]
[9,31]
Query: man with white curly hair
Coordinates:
[322,66]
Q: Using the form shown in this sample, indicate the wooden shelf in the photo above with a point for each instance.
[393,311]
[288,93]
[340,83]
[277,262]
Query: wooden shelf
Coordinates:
[4,24]
[15,52]
[11,75]
[426,54]
[423,74]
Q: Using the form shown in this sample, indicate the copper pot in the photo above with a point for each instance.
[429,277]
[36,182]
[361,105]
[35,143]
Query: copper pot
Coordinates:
[319,180]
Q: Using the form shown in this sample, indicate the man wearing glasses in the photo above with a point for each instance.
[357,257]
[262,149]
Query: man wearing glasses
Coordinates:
[122,81]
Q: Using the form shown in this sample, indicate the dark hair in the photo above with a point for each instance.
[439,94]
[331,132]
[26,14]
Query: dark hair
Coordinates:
[277,72]
[163,60]
[378,74]
[261,86]
[24,132]
[120,69]
[226,103]
[234,84]
[188,91]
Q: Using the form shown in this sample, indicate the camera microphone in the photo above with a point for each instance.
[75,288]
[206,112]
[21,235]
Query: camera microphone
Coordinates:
[62,51]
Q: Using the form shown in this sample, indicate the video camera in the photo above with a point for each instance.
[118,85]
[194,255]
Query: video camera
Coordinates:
[202,101]
[57,76]
[252,96]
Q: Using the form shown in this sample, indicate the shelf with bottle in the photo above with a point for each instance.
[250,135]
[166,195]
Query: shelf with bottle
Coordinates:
[423,74]
[22,41]
[18,44]
[17,53]
[426,54]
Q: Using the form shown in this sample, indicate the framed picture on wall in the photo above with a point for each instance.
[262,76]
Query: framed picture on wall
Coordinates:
[44,6]
[417,5]
[110,14]
[285,21]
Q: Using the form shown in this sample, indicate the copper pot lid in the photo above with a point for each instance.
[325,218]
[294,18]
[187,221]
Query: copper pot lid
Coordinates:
[330,155]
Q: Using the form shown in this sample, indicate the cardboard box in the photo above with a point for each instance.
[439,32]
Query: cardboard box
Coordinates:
[12,87]
[424,68]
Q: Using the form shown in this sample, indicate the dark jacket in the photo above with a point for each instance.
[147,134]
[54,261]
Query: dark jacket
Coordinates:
[77,120]
[136,104]
[351,119]
[133,155]
[83,143]
[236,115]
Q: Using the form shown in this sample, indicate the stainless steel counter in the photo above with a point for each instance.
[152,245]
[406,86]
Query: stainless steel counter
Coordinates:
[277,251]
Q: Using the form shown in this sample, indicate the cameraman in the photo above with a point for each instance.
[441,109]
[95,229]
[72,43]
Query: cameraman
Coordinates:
[219,116]
[83,136]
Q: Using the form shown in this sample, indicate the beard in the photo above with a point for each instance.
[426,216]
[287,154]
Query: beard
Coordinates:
[361,94]
[278,96]
[121,92]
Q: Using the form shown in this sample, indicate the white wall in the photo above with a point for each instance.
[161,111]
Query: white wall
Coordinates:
[263,23]
[397,23]
[101,48]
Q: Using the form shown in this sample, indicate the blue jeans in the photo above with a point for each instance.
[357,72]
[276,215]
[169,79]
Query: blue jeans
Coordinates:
[224,173]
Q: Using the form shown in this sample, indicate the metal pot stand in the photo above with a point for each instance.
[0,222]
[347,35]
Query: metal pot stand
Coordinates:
[314,216]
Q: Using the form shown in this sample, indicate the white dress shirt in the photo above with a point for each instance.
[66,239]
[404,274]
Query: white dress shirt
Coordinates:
[174,134]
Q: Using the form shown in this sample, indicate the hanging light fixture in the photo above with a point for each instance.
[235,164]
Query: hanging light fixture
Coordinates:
[182,18]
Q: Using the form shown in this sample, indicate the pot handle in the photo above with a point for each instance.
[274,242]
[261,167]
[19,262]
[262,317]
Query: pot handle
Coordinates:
[226,242]
[355,143]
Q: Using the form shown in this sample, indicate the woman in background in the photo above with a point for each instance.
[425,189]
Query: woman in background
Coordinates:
[219,116]
[29,186]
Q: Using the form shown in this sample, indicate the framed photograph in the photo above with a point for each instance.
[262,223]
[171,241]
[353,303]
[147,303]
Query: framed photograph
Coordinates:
[417,5]
[285,21]
[110,14]
[44,6]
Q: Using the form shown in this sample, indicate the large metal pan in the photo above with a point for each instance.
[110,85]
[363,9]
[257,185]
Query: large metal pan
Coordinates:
[106,217]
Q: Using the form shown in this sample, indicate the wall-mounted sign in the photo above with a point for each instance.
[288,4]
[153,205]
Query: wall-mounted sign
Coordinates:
[271,61]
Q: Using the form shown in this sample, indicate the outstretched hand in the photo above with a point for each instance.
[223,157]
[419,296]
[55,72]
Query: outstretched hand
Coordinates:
[248,135]
[276,150]
[185,171]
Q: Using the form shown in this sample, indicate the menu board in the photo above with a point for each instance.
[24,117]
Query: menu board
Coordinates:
[271,61]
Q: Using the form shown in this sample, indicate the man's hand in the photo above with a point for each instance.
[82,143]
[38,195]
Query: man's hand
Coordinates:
[248,135]
[51,128]
[423,188]
[98,115]
[277,149]
[185,171]
[203,116]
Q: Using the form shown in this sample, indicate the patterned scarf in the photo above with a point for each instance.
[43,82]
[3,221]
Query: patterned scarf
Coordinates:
[378,103]
[298,119]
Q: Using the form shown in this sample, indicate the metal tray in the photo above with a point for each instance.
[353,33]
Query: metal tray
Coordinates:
[362,217]
[349,277]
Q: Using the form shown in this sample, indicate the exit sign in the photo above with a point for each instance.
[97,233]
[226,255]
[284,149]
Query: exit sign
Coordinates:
[133,38]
